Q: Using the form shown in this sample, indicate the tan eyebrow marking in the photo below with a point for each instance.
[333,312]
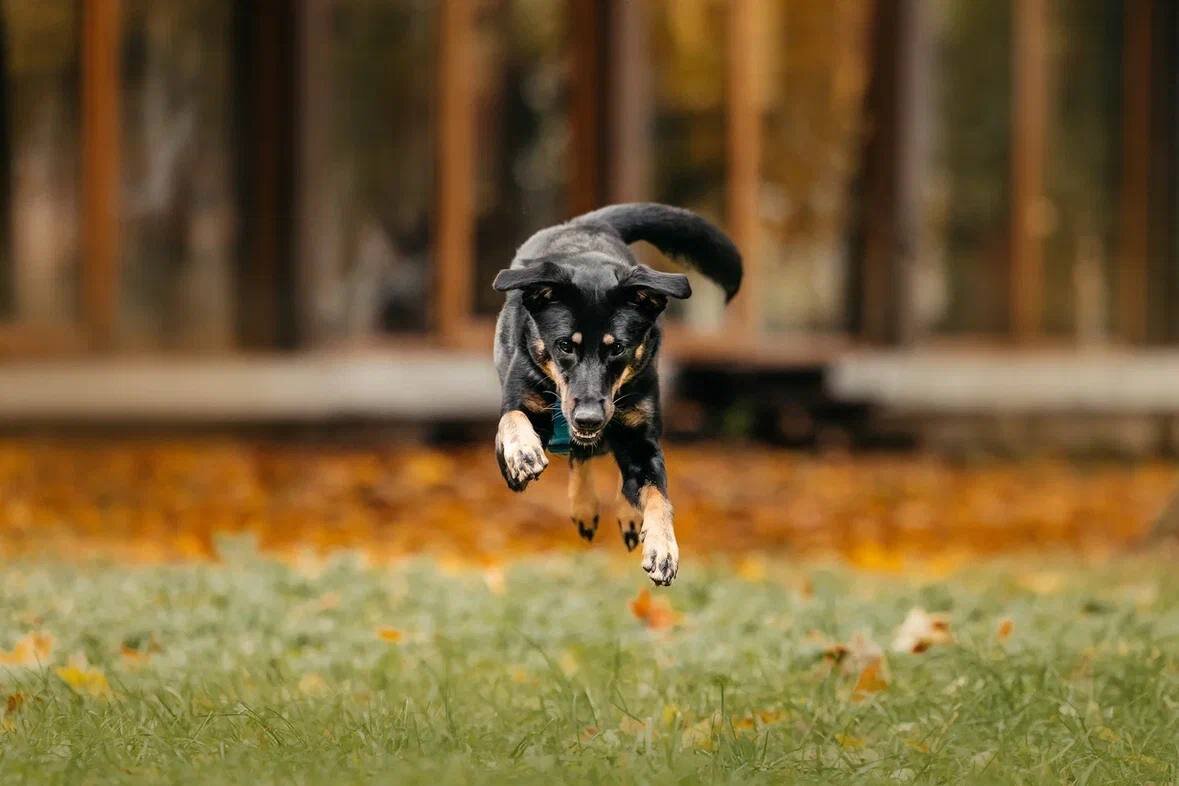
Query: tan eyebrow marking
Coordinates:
[575,338]
[607,339]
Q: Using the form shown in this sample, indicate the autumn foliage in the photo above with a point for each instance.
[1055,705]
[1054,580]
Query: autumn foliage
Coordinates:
[158,499]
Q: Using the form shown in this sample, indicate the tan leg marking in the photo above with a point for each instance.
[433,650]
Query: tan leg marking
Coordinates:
[521,456]
[630,521]
[583,500]
[661,554]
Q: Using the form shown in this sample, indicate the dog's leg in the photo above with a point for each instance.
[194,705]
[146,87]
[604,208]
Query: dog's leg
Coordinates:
[630,521]
[583,500]
[644,486]
[519,450]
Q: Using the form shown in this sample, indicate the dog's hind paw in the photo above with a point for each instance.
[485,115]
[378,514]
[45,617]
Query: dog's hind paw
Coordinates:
[586,527]
[629,528]
[661,558]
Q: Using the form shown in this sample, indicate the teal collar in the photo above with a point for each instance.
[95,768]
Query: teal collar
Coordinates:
[559,443]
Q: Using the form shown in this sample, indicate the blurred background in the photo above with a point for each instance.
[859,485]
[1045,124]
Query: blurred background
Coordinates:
[958,221]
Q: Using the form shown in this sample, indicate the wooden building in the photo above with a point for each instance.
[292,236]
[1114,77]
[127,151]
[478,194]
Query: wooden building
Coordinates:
[281,180]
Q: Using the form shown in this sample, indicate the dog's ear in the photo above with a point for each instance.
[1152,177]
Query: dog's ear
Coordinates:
[541,273]
[649,289]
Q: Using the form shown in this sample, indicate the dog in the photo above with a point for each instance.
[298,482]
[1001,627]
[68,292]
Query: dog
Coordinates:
[575,351]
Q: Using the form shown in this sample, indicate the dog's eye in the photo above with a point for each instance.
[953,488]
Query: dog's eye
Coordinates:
[565,345]
[617,350]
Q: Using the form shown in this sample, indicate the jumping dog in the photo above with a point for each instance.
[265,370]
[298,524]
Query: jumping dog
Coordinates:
[575,349]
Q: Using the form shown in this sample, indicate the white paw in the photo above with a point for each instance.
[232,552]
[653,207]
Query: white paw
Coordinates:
[661,555]
[519,452]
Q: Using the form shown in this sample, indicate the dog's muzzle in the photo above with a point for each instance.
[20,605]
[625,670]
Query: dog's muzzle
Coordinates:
[588,420]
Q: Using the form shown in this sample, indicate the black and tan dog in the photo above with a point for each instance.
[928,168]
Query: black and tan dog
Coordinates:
[575,350]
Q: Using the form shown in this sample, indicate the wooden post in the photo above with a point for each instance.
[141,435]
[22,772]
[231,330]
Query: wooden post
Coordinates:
[101,143]
[1134,199]
[885,217]
[743,143]
[588,104]
[454,241]
[629,165]
[1029,123]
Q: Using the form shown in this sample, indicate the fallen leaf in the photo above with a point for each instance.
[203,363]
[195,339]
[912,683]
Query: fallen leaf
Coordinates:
[752,568]
[848,742]
[313,684]
[655,613]
[32,650]
[494,579]
[14,702]
[871,680]
[1006,626]
[391,635]
[699,735]
[871,556]
[920,631]
[588,733]
[83,679]
[632,726]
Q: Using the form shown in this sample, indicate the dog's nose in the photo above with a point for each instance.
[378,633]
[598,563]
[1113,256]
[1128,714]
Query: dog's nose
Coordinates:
[589,417]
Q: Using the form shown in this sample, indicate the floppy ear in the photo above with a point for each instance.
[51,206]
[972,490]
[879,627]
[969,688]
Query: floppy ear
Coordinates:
[536,274]
[649,288]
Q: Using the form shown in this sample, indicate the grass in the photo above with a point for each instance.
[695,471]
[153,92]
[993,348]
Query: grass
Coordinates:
[254,671]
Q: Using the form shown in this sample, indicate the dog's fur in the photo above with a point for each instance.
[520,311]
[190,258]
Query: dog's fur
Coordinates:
[579,330]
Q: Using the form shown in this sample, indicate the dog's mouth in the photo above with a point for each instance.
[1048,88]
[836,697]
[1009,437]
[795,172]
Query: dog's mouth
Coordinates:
[586,438]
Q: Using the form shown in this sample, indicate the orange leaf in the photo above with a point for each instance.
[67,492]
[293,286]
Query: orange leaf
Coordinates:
[13,702]
[1006,626]
[871,680]
[391,635]
[655,613]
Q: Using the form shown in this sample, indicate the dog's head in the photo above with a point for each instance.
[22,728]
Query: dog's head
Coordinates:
[592,317]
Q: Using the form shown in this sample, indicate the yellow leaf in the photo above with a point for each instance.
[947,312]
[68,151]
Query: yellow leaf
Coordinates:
[13,702]
[752,568]
[670,715]
[391,635]
[872,556]
[568,663]
[848,742]
[312,684]
[82,678]
[770,717]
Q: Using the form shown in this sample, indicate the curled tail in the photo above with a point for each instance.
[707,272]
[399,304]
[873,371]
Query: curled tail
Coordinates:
[678,233]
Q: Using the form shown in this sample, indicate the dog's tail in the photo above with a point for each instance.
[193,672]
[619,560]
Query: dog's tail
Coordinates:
[678,233]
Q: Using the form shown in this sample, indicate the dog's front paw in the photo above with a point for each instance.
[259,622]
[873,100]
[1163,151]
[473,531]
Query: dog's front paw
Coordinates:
[519,451]
[661,556]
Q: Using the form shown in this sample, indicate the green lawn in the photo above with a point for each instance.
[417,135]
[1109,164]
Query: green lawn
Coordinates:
[254,672]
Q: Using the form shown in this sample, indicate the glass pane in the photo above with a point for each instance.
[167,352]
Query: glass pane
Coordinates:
[688,55]
[1081,179]
[370,157]
[522,57]
[968,205]
[179,211]
[39,278]
[817,70]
